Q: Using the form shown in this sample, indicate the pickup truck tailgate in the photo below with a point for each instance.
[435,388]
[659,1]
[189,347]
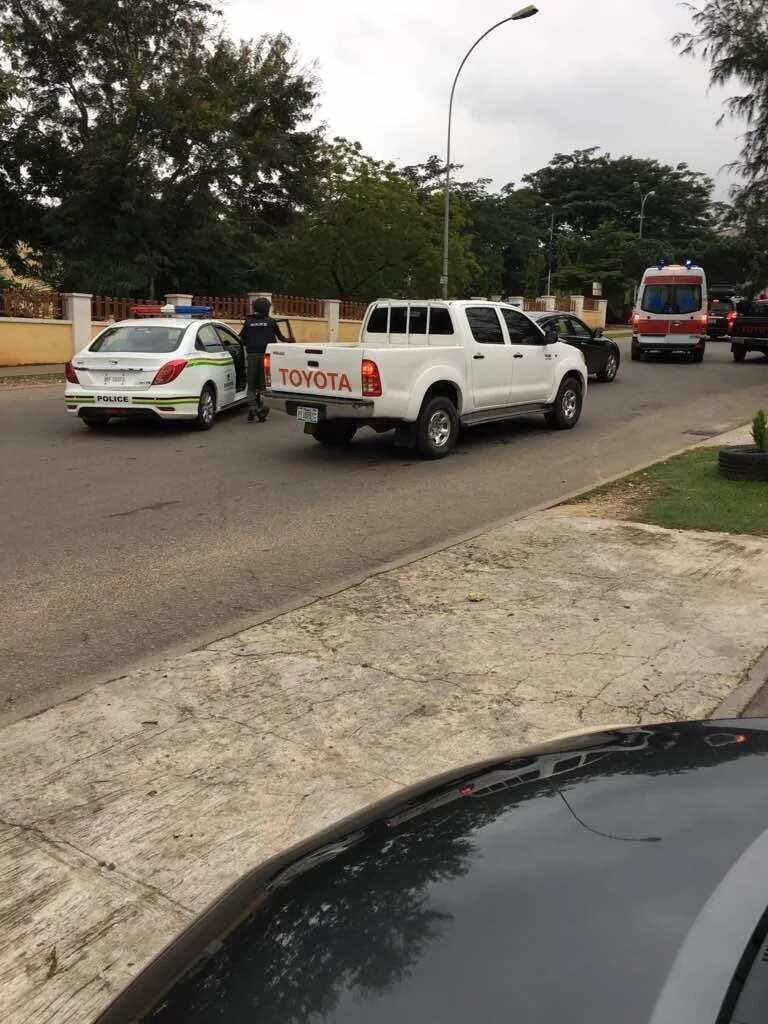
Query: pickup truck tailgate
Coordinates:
[750,327]
[325,371]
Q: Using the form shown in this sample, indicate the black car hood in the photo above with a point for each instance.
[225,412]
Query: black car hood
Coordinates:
[615,877]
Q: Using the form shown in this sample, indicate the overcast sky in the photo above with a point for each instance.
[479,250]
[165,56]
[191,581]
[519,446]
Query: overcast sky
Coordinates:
[580,73]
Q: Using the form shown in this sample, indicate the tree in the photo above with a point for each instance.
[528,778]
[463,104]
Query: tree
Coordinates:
[611,255]
[142,147]
[505,229]
[732,35]
[372,230]
[588,187]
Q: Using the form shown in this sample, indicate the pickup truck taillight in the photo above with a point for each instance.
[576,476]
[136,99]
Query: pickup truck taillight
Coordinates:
[371,379]
[169,371]
[635,319]
[268,370]
[69,373]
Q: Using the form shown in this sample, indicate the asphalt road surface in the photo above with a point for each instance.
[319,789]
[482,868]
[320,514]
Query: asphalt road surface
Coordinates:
[120,545]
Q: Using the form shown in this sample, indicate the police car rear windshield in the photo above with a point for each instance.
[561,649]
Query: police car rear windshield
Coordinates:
[139,338]
[671,298]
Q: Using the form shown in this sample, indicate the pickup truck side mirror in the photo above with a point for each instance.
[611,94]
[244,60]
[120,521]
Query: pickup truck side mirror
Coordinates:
[551,337]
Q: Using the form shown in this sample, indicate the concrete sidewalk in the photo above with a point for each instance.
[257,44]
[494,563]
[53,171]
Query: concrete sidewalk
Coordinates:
[125,811]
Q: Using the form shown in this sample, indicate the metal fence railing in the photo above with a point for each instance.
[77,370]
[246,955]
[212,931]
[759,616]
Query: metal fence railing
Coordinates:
[225,307]
[353,310]
[591,305]
[28,303]
[109,307]
[534,305]
[564,303]
[297,305]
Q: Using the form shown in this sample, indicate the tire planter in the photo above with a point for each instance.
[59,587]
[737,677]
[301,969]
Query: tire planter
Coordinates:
[743,462]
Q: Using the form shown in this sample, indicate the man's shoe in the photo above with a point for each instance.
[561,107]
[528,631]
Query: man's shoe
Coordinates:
[251,415]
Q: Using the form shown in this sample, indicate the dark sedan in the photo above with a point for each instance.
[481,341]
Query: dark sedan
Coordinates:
[619,875]
[601,355]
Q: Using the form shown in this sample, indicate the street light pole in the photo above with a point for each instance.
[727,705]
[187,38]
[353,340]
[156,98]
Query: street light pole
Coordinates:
[643,200]
[551,241]
[524,12]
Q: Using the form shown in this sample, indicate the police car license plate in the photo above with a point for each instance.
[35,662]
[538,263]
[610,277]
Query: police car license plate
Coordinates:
[114,379]
[307,414]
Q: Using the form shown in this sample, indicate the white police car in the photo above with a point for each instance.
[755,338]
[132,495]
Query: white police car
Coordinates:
[168,367]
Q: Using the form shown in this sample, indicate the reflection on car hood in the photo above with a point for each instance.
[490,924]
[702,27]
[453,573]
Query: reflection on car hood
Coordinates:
[592,880]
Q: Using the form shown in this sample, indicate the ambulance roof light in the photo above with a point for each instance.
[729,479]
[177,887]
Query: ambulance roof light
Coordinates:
[661,264]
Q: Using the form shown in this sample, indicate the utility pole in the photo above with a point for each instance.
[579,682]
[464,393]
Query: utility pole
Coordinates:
[551,244]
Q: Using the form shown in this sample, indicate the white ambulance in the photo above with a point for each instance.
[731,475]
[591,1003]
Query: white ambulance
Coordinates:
[671,313]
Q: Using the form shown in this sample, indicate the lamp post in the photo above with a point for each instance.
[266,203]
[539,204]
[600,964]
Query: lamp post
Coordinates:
[524,12]
[551,242]
[643,200]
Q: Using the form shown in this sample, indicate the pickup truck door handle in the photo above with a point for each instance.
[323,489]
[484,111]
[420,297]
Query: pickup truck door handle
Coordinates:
[518,355]
[478,356]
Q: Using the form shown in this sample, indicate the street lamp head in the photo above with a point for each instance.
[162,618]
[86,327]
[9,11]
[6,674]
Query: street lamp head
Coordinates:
[652,193]
[525,12]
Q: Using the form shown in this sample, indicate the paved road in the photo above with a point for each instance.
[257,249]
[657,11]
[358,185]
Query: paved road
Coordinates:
[116,546]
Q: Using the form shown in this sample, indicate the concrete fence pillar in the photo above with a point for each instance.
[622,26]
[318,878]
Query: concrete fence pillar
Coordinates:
[332,315]
[577,305]
[550,303]
[77,308]
[516,301]
[602,311]
[252,296]
[176,299]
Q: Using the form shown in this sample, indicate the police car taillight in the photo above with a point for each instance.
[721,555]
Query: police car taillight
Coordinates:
[169,371]
[69,373]
[268,370]
[371,379]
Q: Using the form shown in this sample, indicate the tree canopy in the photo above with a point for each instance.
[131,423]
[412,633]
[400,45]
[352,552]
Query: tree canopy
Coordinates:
[732,35]
[141,144]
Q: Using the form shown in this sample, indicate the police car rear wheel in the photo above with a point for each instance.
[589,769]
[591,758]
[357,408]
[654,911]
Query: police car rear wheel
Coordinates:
[206,409]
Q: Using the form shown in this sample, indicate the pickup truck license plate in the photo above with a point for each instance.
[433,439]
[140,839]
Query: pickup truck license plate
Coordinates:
[307,414]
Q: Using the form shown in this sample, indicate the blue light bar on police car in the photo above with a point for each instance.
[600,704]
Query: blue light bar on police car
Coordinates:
[194,310]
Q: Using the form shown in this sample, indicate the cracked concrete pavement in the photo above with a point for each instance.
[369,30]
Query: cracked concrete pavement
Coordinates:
[125,811]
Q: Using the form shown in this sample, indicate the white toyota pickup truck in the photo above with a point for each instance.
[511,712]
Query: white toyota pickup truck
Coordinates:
[425,368]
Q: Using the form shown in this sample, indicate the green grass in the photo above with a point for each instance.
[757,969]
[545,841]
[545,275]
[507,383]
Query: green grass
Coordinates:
[687,493]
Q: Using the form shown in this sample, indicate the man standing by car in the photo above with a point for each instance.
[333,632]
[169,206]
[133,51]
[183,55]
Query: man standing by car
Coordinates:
[259,330]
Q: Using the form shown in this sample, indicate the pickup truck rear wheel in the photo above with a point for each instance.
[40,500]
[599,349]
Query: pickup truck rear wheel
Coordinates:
[566,410]
[334,432]
[437,428]
[739,353]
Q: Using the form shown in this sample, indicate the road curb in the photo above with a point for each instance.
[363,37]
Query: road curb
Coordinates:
[240,624]
[736,703]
